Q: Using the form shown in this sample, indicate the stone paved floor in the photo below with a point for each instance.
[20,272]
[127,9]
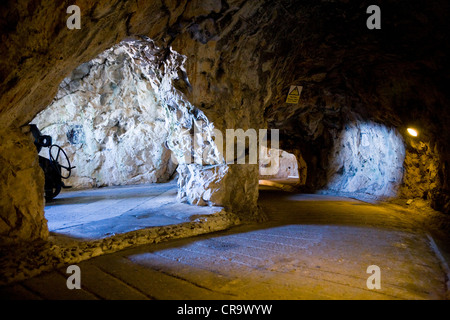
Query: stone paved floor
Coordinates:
[99,213]
[313,247]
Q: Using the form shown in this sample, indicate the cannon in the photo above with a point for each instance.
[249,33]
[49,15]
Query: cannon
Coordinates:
[56,167]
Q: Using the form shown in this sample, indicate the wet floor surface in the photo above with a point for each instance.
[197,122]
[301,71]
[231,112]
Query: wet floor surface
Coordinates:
[312,247]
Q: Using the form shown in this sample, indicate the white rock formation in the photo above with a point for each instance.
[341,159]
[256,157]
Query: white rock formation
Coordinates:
[121,120]
[108,119]
[367,160]
[201,166]
[287,165]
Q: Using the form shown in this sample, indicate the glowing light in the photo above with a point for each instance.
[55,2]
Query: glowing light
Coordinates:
[412,132]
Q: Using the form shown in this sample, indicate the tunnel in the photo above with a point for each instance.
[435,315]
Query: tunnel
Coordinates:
[209,149]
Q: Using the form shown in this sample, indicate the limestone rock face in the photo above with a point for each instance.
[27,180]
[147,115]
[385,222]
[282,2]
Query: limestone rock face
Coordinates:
[241,191]
[107,118]
[367,160]
[201,165]
[118,115]
[422,177]
[21,188]
[200,185]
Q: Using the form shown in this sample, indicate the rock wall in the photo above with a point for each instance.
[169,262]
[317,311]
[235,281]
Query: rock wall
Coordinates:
[201,166]
[21,189]
[114,114]
[395,77]
[424,177]
[366,161]
[107,118]
[37,52]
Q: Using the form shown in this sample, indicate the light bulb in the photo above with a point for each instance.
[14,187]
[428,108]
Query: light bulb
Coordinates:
[412,132]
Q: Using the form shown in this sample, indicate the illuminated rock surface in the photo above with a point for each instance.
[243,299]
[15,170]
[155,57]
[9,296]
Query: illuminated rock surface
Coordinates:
[288,166]
[367,160]
[106,116]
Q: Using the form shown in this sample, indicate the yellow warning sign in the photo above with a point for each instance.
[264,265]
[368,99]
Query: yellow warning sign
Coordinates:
[294,94]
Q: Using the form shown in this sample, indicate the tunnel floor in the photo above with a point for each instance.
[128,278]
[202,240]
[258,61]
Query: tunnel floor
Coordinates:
[104,212]
[312,247]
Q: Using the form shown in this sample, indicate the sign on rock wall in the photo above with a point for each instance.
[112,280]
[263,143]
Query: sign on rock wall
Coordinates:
[294,94]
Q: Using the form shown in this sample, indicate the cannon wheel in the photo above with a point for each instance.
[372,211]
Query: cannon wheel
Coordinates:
[50,194]
[60,155]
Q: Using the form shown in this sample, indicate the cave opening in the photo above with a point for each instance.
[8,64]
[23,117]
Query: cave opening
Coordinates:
[112,119]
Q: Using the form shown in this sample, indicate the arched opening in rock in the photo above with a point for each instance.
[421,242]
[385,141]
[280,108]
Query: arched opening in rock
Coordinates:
[108,119]
[125,126]
[363,160]
[287,166]
[290,170]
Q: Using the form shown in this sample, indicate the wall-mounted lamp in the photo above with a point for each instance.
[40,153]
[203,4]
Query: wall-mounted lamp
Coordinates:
[412,132]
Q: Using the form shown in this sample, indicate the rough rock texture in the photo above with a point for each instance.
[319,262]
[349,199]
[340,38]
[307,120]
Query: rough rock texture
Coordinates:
[201,166]
[394,77]
[21,212]
[242,57]
[349,74]
[423,179]
[367,160]
[21,263]
[108,120]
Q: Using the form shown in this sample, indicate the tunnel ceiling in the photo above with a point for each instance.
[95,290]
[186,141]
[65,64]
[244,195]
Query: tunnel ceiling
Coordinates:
[248,52]
[244,55]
